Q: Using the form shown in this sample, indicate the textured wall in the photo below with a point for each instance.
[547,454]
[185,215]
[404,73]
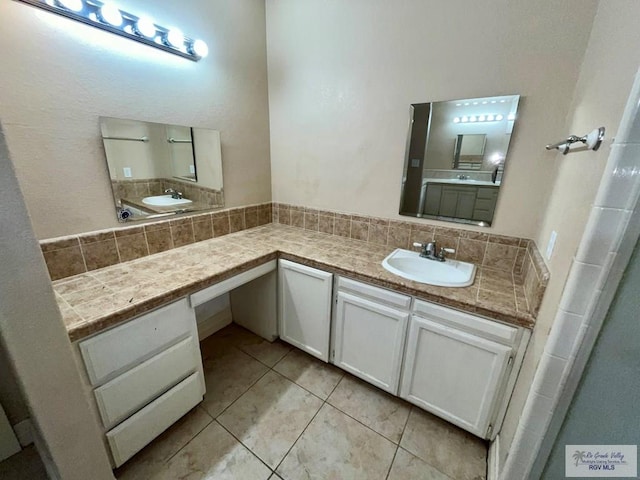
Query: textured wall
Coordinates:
[343,74]
[600,96]
[59,76]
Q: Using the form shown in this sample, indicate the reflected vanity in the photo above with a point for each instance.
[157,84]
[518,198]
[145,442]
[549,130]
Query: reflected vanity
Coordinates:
[455,158]
[157,169]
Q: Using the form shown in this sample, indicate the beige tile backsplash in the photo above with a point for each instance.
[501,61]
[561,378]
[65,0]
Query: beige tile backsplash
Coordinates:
[511,256]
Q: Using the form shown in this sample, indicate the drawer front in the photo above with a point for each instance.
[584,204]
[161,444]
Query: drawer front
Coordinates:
[136,432]
[483,204]
[487,192]
[126,394]
[110,353]
[375,293]
[492,330]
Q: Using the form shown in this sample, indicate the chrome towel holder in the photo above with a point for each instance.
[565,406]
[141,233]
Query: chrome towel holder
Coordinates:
[591,140]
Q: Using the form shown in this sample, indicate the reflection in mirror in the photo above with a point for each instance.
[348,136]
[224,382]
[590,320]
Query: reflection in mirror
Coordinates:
[454,163]
[158,169]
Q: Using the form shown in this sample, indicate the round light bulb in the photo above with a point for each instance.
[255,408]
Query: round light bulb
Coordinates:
[458,104]
[466,104]
[485,102]
[493,101]
[110,14]
[200,48]
[456,120]
[175,38]
[472,118]
[511,116]
[499,117]
[475,103]
[74,5]
[145,27]
[464,119]
[490,118]
[481,118]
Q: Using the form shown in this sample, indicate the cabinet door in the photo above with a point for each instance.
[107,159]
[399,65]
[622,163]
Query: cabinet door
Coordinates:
[432,199]
[466,202]
[368,340]
[448,202]
[453,374]
[304,308]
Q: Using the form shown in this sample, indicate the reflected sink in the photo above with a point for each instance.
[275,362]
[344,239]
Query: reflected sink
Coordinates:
[165,201]
[410,265]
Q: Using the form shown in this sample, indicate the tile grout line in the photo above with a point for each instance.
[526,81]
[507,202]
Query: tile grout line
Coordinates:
[245,446]
[194,437]
[404,427]
[310,421]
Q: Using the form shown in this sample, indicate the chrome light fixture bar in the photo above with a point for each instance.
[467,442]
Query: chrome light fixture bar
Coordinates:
[108,17]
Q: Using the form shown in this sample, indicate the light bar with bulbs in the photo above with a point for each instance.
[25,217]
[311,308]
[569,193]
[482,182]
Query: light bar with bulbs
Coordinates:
[483,118]
[107,16]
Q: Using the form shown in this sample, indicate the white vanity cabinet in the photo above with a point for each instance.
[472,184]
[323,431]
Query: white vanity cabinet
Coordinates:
[457,366]
[144,375]
[369,332]
[304,307]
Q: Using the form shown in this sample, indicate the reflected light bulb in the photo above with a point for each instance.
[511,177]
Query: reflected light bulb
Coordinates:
[490,118]
[511,116]
[175,38]
[145,28]
[456,120]
[481,118]
[464,119]
[472,118]
[74,5]
[499,117]
[200,48]
[110,14]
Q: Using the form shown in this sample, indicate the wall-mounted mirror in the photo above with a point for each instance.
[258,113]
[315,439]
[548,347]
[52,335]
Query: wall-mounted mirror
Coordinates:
[159,169]
[455,158]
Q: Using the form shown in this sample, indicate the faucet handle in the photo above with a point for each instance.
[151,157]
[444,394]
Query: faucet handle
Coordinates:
[443,251]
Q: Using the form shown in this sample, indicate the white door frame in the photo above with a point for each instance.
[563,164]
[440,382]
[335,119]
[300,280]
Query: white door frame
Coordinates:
[611,233]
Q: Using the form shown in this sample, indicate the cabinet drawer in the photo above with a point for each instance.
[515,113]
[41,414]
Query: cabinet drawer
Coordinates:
[375,293]
[132,390]
[487,192]
[134,433]
[110,353]
[489,329]
[485,204]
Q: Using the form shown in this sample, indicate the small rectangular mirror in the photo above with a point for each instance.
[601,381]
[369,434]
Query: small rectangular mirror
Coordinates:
[458,184]
[157,169]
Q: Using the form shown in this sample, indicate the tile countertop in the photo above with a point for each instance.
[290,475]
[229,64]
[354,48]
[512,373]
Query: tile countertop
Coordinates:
[93,301]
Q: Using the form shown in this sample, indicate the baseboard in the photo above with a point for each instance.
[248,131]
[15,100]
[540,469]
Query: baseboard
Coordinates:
[24,432]
[211,325]
[493,460]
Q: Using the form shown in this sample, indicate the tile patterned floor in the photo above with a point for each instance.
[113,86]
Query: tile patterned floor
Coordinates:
[274,413]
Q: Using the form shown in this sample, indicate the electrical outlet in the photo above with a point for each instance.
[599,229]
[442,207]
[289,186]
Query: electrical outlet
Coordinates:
[127,172]
[415,162]
[192,169]
[551,244]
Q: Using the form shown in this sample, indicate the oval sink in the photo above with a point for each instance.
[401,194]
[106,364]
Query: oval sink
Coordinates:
[410,265]
[165,201]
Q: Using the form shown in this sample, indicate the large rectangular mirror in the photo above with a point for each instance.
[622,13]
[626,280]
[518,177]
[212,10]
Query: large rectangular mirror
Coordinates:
[159,169]
[455,158]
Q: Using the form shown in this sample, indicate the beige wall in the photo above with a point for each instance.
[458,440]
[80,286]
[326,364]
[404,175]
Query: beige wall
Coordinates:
[59,76]
[35,343]
[606,77]
[343,74]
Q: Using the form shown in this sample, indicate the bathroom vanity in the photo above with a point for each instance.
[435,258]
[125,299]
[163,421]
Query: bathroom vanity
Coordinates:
[138,352]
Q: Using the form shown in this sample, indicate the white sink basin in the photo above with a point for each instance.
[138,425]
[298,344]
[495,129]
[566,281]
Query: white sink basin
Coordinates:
[410,265]
[165,201]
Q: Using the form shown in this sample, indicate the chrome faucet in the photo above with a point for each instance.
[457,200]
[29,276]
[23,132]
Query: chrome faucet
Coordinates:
[428,251]
[174,193]
[463,177]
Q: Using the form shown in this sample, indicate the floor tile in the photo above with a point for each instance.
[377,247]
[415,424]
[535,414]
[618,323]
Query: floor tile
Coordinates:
[270,417]
[215,455]
[24,464]
[153,457]
[378,410]
[268,353]
[310,373]
[227,377]
[409,467]
[335,446]
[449,449]
[225,339]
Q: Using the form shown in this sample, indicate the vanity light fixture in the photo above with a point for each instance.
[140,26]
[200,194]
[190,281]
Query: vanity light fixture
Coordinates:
[107,16]
[483,118]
